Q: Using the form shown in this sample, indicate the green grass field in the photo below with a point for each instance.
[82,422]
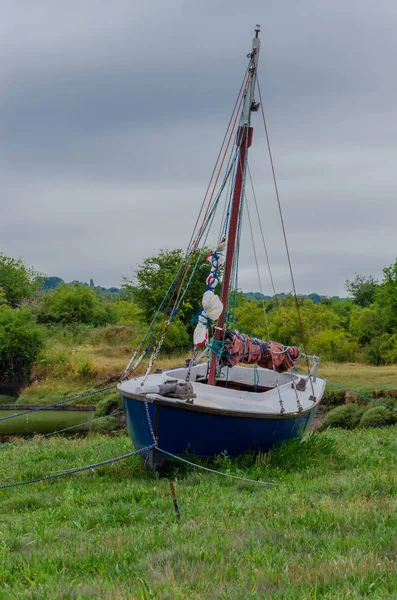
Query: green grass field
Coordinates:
[327,529]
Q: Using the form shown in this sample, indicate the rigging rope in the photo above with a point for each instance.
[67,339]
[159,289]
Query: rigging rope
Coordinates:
[282,409]
[284,234]
[185,267]
[205,227]
[195,245]
[262,234]
[243,85]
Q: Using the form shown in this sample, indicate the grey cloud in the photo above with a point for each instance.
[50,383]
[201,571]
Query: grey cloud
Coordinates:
[111,115]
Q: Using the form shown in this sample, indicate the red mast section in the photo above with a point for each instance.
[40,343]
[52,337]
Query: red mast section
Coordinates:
[243,141]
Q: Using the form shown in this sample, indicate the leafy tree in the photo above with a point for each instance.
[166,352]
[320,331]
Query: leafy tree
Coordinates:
[17,280]
[343,308]
[382,350]
[74,304]
[51,283]
[365,323]
[286,327]
[362,289]
[154,277]
[251,317]
[333,345]
[283,320]
[315,298]
[386,298]
[20,343]
[177,337]
[127,312]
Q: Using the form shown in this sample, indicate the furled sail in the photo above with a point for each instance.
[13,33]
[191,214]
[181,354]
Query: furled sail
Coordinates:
[240,348]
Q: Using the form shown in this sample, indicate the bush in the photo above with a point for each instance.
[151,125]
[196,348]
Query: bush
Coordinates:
[54,362]
[383,350]
[333,397]
[116,335]
[84,367]
[177,337]
[7,399]
[20,343]
[333,345]
[347,416]
[390,400]
[379,416]
[17,280]
[127,312]
[110,401]
[74,334]
[32,395]
[74,304]
[107,425]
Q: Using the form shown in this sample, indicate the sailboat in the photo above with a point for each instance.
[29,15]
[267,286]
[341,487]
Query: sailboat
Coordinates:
[237,392]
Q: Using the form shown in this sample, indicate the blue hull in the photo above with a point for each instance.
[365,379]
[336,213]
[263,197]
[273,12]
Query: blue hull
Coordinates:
[205,434]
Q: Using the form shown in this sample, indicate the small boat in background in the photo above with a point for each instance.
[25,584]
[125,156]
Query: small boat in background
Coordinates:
[44,419]
[237,393]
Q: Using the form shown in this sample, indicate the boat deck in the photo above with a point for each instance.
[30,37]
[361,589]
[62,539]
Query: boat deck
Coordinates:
[234,394]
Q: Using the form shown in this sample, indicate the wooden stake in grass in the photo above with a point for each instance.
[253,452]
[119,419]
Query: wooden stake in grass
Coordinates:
[175,500]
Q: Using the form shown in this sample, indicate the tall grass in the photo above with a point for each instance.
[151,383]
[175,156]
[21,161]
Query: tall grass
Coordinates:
[326,530]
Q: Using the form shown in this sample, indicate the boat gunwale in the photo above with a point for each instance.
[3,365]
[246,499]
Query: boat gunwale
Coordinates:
[182,404]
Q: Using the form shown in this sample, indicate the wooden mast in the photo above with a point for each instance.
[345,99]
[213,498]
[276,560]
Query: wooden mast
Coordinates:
[243,141]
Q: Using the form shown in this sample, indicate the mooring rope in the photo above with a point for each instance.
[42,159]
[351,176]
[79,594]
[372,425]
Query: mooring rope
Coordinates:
[359,395]
[38,437]
[147,449]
[77,469]
[192,464]
[46,406]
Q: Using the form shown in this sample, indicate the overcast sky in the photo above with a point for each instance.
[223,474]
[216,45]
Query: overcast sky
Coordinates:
[112,114]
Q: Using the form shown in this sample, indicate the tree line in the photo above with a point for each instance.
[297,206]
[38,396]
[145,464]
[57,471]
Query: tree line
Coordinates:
[361,327]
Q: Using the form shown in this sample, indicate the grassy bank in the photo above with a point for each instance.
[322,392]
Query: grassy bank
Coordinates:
[326,530]
[361,378]
[84,358]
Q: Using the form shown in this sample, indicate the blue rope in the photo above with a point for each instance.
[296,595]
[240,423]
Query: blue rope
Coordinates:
[77,469]
[188,462]
[256,378]
[358,395]
[46,406]
[216,347]
[39,437]
[247,331]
